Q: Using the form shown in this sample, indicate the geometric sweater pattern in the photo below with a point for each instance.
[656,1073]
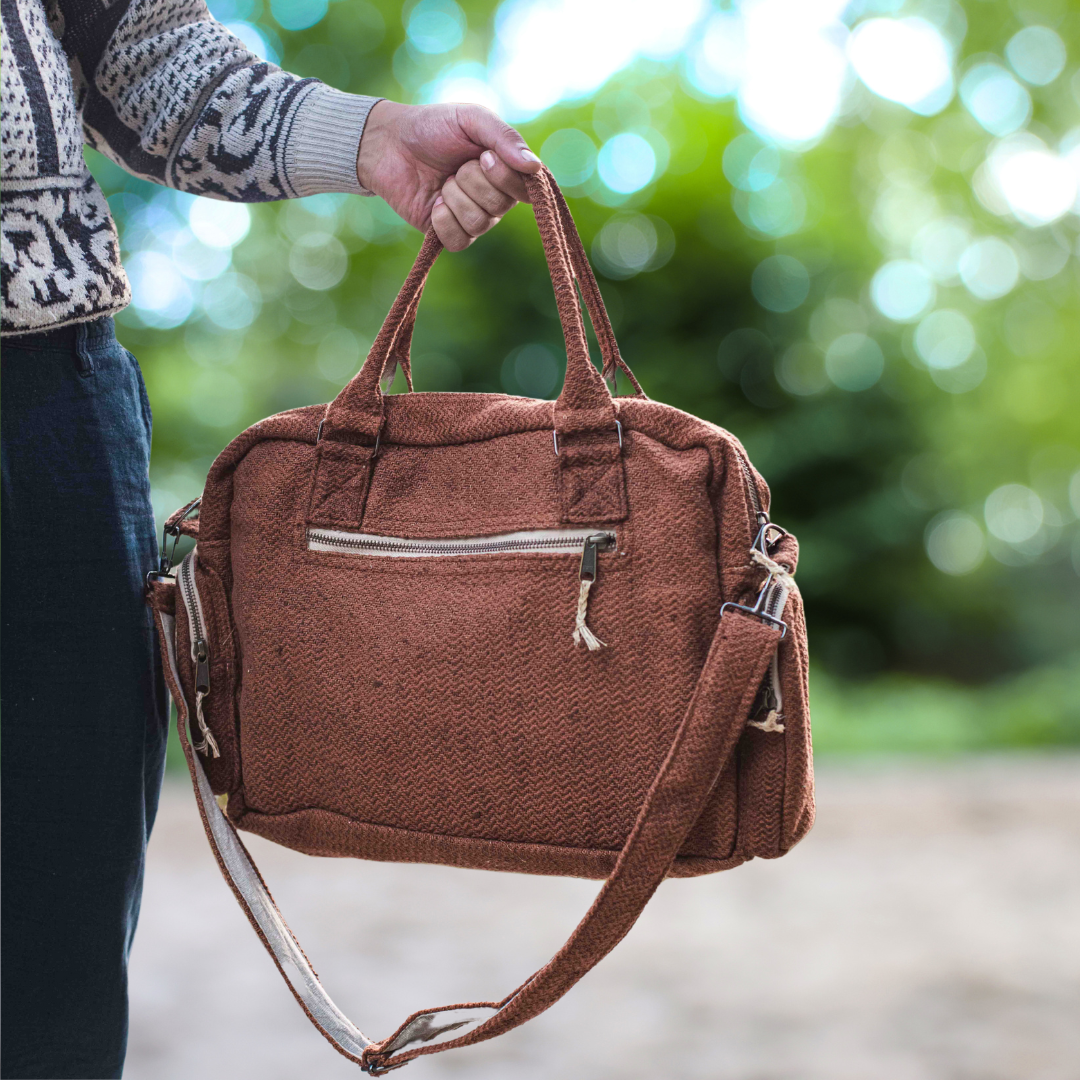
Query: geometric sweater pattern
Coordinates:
[168,94]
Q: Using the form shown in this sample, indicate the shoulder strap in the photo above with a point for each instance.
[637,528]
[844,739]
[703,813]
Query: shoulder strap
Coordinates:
[740,655]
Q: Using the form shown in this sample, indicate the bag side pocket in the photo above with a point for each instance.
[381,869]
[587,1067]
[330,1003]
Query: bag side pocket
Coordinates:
[219,705]
[776,780]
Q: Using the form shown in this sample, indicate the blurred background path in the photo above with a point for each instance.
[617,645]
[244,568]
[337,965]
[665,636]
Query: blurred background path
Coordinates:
[927,929]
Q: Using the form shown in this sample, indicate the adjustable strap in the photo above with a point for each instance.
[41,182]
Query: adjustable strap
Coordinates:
[239,870]
[741,652]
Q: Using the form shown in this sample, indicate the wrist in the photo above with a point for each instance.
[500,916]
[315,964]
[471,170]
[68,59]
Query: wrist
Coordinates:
[380,132]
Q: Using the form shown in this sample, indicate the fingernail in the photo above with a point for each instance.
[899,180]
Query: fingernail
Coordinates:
[438,202]
[528,155]
[487,160]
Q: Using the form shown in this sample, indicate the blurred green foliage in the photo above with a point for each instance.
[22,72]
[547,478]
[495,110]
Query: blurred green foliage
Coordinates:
[862,476]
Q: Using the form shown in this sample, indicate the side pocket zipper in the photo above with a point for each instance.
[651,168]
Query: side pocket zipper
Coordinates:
[200,648]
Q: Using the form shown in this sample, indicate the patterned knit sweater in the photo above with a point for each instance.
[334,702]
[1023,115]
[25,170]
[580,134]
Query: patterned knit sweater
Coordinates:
[168,94]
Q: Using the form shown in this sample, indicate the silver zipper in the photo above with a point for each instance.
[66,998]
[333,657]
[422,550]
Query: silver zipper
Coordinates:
[200,647]
[534,542]
[773,597]
[751,488]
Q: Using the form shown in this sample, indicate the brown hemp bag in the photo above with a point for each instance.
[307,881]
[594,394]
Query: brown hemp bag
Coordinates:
[482,630]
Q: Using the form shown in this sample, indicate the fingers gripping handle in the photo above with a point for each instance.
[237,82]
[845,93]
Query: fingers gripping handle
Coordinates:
[741,652]
[584,404]
[594,302]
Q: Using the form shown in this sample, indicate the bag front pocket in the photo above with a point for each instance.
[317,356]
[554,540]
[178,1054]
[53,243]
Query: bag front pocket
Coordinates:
[589,542]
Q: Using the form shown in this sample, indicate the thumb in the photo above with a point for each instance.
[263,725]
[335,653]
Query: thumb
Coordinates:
[490,132]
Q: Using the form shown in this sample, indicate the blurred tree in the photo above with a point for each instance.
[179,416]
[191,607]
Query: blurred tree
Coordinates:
[878,311]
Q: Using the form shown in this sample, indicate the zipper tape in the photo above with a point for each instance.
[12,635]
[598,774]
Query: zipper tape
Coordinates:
[533,542]
[200,648]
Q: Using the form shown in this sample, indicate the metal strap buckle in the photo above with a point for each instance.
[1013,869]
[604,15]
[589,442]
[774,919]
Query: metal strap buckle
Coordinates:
[757,612]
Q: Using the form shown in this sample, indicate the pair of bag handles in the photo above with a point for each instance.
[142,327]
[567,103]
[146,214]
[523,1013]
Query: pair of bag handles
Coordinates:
[585,404]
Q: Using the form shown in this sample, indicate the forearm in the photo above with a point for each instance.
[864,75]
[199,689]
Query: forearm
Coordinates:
[170,95]
[264,135]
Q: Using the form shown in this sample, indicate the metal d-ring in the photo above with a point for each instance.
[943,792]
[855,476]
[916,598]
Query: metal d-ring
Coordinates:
[766,541]
[555,436]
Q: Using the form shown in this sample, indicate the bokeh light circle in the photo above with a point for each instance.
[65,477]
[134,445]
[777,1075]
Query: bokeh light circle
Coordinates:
[801,370]
[571,155]
[159,292]
[777,210]
[995,99]
[626,163]
[955,543]
[298,14]
[902,290]
[749,164]
[1013,513]
[780,283]
[938,246]
[233,302]
[318,261]
[1037,55]
[989,268]
[903,60]
[531,370]
[945,339]
[631,243]
[198,261]
[436,26]
[1038,185]
[854,362]
[219,224]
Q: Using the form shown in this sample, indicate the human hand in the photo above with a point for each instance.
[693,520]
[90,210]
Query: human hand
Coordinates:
[456,168]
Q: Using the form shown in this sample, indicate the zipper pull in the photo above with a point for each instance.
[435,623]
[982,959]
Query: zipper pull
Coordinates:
[593,544]
[202,667]
[202,688]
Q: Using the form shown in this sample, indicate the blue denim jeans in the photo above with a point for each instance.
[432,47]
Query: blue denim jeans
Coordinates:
[84,705]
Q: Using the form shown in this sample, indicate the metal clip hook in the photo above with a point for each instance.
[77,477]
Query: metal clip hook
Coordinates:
[165,562]
[765,545]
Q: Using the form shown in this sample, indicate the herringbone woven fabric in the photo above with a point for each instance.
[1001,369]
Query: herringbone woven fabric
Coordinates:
[492,709]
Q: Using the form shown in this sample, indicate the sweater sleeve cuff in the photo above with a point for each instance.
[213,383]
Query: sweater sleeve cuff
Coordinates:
[324,141]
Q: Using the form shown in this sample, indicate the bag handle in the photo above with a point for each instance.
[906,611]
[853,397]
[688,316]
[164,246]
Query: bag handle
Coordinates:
[584,405]
[583,273]
[738,659]
[588,439]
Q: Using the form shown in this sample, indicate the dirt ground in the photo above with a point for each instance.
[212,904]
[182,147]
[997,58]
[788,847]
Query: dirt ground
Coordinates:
[927,929]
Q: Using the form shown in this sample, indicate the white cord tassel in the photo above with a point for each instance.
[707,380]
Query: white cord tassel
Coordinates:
[581,630]
[209,742]
[778,572]
[776,713]
[770,723]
